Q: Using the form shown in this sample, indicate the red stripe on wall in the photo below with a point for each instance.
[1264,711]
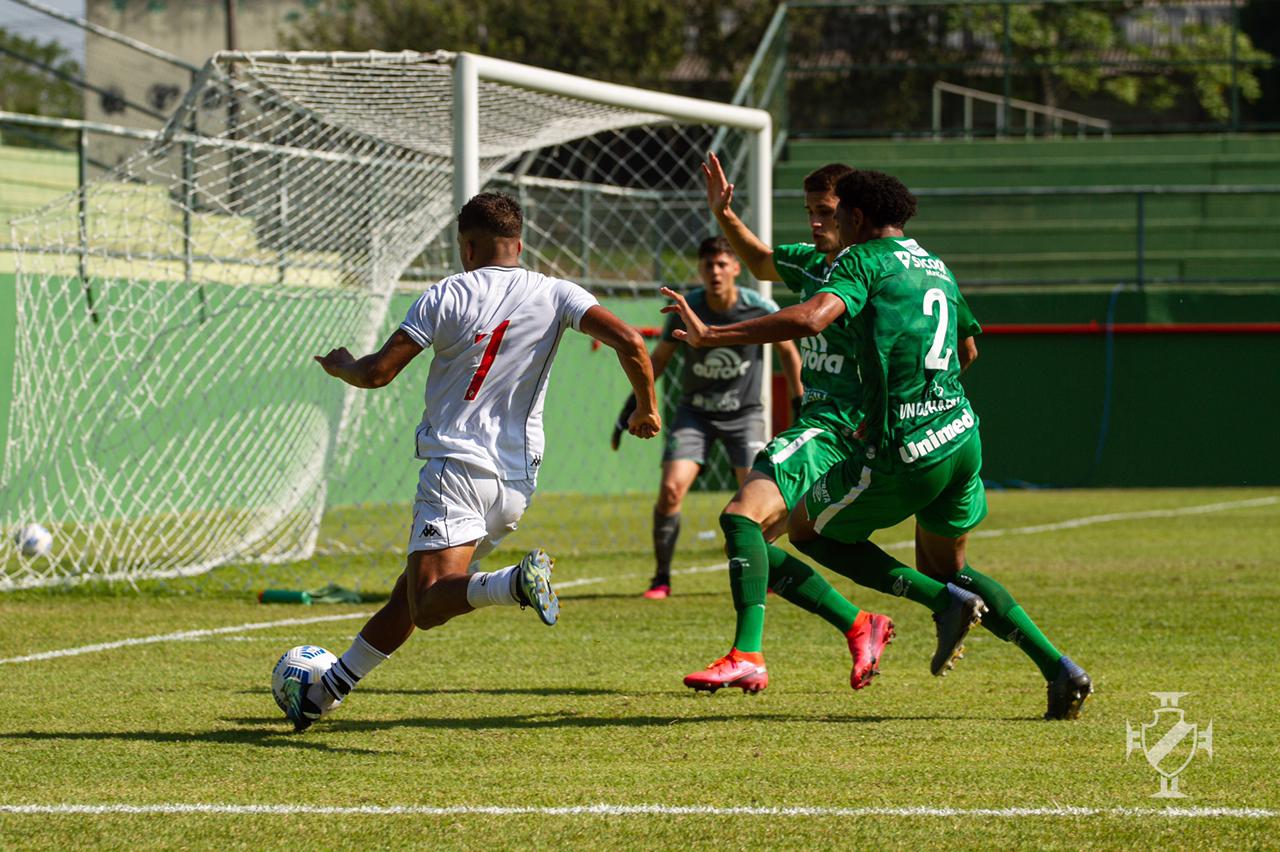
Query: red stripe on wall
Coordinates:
[1164,328]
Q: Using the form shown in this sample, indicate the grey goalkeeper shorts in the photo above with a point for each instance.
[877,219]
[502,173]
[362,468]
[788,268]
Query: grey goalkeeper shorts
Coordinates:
[693,432]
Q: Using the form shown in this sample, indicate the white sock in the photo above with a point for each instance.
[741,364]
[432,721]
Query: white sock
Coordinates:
[333,686]
[495,588]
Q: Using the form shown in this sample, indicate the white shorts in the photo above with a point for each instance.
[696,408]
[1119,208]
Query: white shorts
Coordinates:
[458,503]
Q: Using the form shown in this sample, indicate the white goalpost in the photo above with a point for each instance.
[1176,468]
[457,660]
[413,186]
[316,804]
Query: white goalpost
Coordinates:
[167,417]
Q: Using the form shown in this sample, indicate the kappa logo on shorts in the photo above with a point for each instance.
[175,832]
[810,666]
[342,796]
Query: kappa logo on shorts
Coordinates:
[536,462]
[430,530]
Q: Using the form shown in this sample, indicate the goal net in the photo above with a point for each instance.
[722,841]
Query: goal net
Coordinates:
[167,417]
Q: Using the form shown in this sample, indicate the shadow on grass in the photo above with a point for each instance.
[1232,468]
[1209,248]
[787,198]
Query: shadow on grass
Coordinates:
[264,733]
[569,720]
[462,690]
[635,596]
[530,690]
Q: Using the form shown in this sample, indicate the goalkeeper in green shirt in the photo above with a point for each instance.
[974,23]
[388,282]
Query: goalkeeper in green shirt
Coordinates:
[921,452]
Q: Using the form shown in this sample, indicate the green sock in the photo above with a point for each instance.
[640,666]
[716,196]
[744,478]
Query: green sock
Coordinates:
[867,565]
[748,578]
[1010,622]
[797,582]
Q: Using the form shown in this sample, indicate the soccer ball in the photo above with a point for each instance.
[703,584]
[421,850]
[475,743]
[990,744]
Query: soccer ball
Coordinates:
[306,663]
[33,540]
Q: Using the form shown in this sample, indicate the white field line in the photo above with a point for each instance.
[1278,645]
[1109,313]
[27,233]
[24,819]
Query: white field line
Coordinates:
[1090,520]
[181,636]
[639,810]
[1071,523]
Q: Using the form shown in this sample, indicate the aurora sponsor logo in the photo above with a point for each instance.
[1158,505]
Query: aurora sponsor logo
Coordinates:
[908,410]
[814,355]
[932,439]
[721,364]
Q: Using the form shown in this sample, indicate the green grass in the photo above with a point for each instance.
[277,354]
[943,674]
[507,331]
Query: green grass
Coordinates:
[495,709]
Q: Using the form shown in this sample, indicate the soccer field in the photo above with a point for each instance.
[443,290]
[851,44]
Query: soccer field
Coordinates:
[146,720]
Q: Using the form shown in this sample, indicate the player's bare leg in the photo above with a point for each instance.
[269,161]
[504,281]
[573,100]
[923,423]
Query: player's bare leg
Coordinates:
[1067,684]
[940,557]
[759,499]
[391,626]
[677,477]
[434,587]
[436,583]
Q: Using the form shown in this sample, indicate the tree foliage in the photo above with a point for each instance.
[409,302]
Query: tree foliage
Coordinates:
[1073,47]
[1053,38]
[1210,82]
[25,87]
[629,42]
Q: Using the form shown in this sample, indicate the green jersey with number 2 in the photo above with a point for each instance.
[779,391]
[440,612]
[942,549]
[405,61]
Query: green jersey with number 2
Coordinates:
[905,311]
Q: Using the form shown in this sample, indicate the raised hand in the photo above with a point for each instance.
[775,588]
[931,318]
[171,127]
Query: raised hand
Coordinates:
[694,332]
[719,190]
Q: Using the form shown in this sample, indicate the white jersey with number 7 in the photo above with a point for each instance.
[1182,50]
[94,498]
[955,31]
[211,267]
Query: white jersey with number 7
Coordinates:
[494,332]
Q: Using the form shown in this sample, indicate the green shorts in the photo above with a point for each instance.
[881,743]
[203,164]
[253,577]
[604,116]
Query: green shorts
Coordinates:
[820,438]
[852,501]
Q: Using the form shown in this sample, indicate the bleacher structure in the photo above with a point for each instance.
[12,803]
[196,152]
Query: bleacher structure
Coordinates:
[1195,209]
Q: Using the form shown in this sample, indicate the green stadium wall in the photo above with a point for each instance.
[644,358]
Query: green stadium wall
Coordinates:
[1164,409]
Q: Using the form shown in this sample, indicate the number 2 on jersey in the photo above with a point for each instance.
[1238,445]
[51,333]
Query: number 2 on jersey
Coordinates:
[491,352]
[935,359]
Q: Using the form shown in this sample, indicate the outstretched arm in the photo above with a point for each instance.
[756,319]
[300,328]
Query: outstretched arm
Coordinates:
[601,324]
[658,359]
[803,320]
[372,371]
[754,254]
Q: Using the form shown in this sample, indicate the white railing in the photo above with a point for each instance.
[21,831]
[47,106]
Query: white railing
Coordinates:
[1053,117]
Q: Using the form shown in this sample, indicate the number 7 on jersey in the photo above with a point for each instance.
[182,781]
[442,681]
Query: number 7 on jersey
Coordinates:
[486,360]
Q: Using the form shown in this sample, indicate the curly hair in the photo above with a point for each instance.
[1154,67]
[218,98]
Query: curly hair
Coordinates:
[491,213]
[825,178]
[882,198]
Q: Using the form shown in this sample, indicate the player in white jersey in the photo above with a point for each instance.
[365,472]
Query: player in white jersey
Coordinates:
[494,331]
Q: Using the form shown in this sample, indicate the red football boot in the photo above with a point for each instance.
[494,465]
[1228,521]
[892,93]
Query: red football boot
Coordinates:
[743,669]
[867,638]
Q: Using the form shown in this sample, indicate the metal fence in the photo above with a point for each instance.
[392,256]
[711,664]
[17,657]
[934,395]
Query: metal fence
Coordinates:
[870,67]
[1141,212]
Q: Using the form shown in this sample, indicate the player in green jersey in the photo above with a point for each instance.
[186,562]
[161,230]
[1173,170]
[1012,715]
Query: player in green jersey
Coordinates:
[922,449]
[822,435]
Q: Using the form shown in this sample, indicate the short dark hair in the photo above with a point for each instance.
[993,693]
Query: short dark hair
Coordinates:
[492,213]
[882,198]
[825,179]
[712,246]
